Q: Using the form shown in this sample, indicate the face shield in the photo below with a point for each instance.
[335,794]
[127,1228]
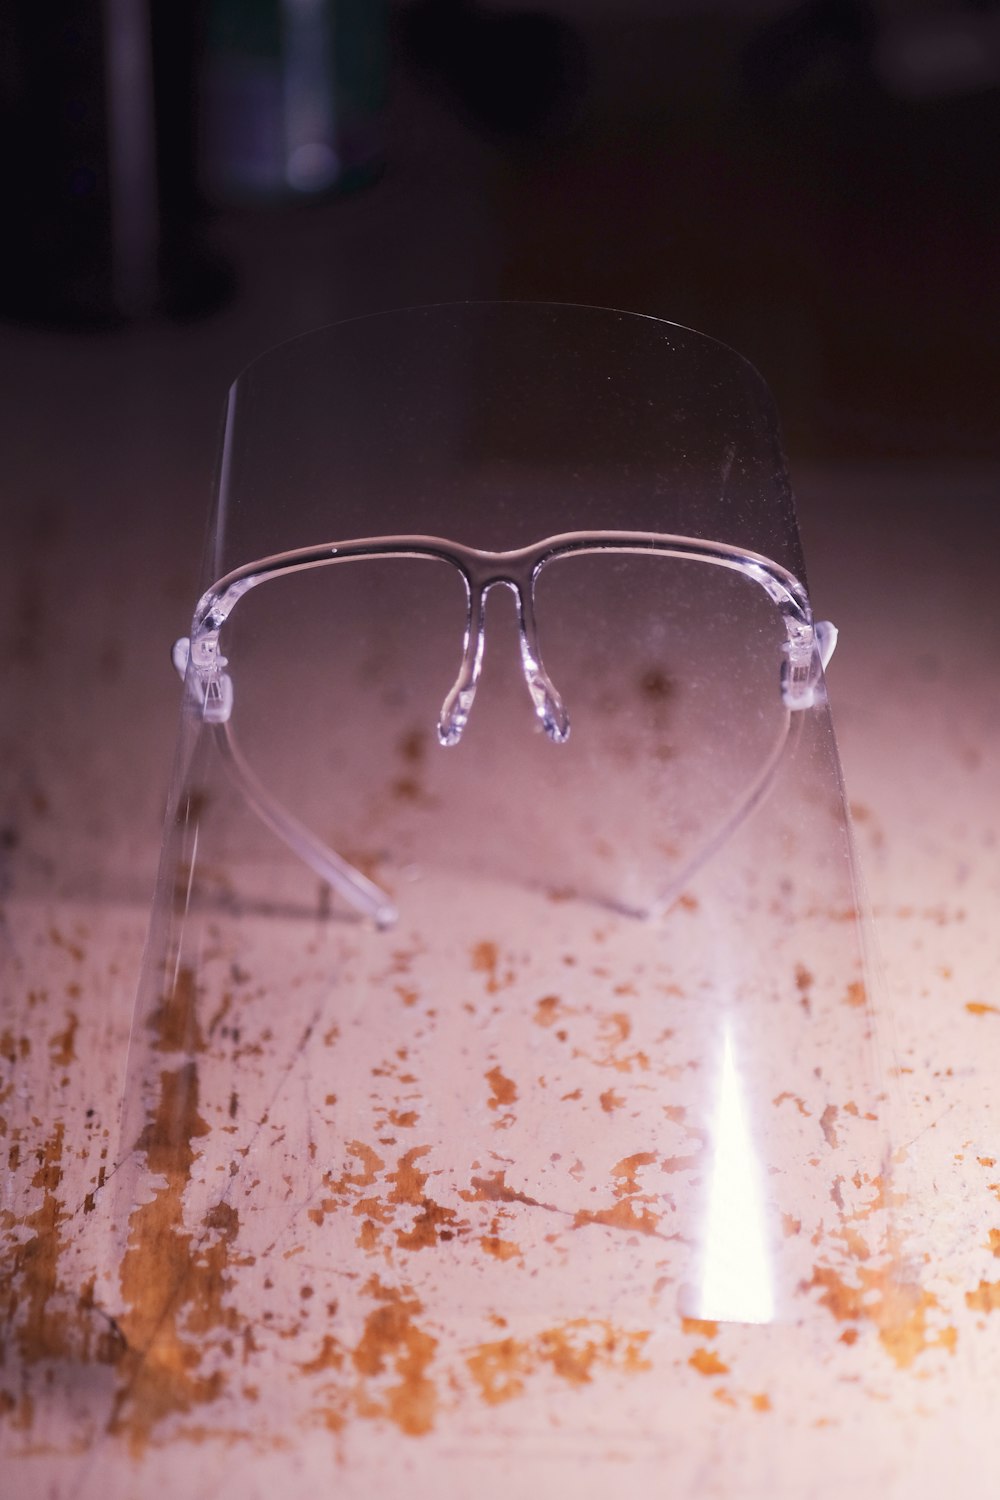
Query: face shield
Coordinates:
[504,1040]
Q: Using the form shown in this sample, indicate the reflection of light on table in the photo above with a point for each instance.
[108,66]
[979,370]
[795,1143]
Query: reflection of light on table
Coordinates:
[736,1277]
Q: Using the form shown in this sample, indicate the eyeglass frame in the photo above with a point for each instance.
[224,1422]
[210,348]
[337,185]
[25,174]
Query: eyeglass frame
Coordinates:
[806,651]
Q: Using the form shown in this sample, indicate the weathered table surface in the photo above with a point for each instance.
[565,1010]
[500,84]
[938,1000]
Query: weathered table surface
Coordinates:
[106,474]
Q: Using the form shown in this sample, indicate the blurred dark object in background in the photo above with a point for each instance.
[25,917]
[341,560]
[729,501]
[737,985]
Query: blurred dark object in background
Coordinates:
[98,154]
[516,74]
[294,97]
[821,42]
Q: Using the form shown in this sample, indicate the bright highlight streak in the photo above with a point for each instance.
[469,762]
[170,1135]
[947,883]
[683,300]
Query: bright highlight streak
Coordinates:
[736,1274]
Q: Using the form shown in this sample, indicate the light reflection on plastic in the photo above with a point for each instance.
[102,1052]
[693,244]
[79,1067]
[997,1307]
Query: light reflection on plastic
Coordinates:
[736,1274]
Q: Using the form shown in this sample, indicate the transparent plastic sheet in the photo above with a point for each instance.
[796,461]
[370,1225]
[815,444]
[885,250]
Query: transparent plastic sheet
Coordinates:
[587,1129]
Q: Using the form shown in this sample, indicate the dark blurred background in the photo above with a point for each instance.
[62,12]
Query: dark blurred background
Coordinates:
[815,183]
[187,182]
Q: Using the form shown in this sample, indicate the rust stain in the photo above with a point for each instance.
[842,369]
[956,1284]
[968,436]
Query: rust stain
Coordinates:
[175,1020]
[856,994]
[761,1402]
[994,1241]
[13,1049]
[173,1283]
[502,1089]
[500,1368]
[623,1173]
[978,1008]
[485,958]
[494,1189]
[434,1222]
[985,1298]
[619,1027]
[800,1104]
[827,1123]
[622,1215]
[707,1362]
[413,746]
[62,1046]
[73,949]
[392,1339]
[329,1357]
[499,1248]
[548,1010]
[574,1351]
[898,1308]
[610,1101]
[704,1327]
[31,1284]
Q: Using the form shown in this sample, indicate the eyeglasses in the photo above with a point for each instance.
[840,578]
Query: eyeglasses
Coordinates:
[805,653]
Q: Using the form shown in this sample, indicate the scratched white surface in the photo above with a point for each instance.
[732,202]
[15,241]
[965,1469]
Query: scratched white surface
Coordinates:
[576,1393]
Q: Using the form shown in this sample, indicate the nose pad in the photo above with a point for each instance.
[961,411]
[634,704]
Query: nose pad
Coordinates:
[457,705]
[548,705]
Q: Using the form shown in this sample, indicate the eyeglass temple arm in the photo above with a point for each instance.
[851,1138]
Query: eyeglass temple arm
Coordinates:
[360,892]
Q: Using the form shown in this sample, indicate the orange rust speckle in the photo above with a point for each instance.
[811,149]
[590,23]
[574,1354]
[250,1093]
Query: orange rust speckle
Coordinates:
[803,979]
[434,1221]
[761,1402]
[800,1104]
[687,902]
[707,1362]
[498,1248]
[610,1101]
[703,1327]
[986,1297]
[986,1161]
[994,1241]
[494,1189]
[499,1369]
[484,961]
[624,1172]
[12,1048]
[978,1008]
[391,1337]
[412,746]
[622,1216]
[408,995]
[547,1010]
[62,1045]
[724,1397]
[856,995]
[73,949]
[173,1286]
[827,1123]
[175,1020]
[502,1089]
[849,1336]
[790,1226]
[620,1026]
[330,1357]
[403,1119]
[897,1308]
